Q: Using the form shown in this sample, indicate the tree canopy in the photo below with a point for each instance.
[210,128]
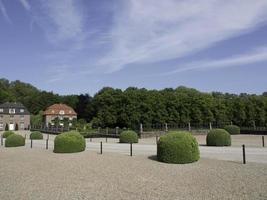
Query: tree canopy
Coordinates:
[114,107]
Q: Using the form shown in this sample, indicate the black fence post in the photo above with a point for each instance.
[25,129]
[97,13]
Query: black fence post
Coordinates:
[2,140]
[101,148]
[131,149]
[46,144]
[244,154]
[263,143]
[31,143]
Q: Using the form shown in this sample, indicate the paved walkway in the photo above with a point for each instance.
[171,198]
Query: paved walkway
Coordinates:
[253,154]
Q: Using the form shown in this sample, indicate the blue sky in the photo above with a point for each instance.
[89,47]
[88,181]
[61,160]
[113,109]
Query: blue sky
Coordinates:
[80,46]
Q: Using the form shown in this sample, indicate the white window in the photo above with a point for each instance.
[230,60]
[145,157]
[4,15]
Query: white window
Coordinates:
[12,111]
[1,110]
[61,112]
[1,125]
[22,125]
[22,110]
[70,118]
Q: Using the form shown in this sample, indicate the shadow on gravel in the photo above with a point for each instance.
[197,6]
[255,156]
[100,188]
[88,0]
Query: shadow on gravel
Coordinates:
[154,158]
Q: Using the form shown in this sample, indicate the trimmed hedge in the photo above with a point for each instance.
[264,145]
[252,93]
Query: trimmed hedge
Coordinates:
[7,133]
[36,135]
[232,129]
[15,140]
[69,142]
[178,147]
[128,137]
[218,137]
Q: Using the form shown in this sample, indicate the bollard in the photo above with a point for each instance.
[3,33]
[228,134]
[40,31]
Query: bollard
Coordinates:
[263,143]
[31,143]
[244,154]
[2,140]
[46,144]
[101,148]
[47,137]
[131,149]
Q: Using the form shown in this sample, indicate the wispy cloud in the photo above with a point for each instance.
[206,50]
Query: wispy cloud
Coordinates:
[4,12]
[62,21]
[255,56]
[25,4]
[151,31]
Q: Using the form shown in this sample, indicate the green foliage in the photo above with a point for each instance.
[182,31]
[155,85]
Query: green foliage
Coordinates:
[218,137]
[128,137]
[178,147]
[114,107]
[36,120]
[232,129]
[14,140]
[89,133]
[36,135]
[69,142]
[7,133]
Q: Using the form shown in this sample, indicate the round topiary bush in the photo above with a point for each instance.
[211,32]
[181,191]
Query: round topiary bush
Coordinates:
[178,147]
[15,140]
[69,142]
[128,137]
[218,137]
[36,135]
[7,133]
[232,129]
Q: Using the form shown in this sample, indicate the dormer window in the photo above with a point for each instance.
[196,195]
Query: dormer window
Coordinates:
[61,112]
[22,110]
[12,111]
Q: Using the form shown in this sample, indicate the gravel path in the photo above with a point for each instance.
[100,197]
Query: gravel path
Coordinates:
[27,174]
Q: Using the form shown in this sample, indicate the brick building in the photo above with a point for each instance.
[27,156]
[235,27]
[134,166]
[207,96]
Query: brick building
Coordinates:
[59,111]
[14,115]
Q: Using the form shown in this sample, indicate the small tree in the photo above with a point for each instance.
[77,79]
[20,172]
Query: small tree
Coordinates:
[6,128]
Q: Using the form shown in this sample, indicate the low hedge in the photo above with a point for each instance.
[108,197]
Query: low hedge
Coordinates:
[7,133]
[218,137]
[232,129]
[178,147]
[15,140]
[69,142]
[36,135]
[128,137]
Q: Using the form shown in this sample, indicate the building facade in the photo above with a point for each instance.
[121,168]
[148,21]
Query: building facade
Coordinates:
[58,111]
[14,116]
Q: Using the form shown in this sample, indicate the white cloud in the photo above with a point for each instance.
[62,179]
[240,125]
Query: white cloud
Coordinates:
[152,31]
[25,4]
[62,21]
[256,56]
[4,12]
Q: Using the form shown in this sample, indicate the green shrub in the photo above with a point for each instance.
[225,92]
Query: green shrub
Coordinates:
[218,137]
[178,147]
[7,133]
[14,140]
[128,137]
[36,135]
[232,129]
[69,142]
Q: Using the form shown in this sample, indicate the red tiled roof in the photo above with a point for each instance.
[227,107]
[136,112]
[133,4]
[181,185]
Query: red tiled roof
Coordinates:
[56,108]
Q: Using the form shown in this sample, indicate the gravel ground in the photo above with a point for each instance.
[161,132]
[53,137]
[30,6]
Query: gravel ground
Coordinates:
[27,174]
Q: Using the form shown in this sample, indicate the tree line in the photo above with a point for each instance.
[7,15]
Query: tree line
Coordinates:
[111,107]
